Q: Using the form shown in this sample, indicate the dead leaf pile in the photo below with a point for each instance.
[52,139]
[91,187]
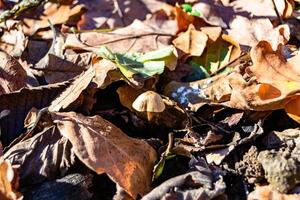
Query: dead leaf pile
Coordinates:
[149,99]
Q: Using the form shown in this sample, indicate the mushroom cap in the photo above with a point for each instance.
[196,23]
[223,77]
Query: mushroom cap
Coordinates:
[149,102]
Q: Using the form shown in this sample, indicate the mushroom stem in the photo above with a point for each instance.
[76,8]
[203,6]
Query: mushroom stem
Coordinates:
[149,116]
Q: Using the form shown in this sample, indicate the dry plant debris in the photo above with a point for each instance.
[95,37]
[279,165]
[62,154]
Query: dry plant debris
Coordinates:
[149,99]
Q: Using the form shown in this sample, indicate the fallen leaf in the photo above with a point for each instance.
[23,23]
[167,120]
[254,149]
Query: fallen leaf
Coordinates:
[57,14]
[13,41]
[137,67]
[249,32]
[74,186]
[106,149]
[73,91]
[44,156]
[191,42]
[7,183]
[137,37]
[13,75]
[113,14]
[11,124]
[218,54]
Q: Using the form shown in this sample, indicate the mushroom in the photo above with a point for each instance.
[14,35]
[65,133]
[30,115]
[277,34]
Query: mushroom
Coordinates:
[149,102]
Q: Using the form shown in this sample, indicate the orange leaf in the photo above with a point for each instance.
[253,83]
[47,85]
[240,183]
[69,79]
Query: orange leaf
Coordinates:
[293,109]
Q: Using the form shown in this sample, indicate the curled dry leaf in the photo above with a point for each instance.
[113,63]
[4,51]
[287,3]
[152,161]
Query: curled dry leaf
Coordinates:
[191,42]
[13,76]
[11,123]
[13,41]
[277,83]
[73,91]
[57,14]
[279,76]
[8,182]
[114,14]
[44,156]
[104,148]
[249,32]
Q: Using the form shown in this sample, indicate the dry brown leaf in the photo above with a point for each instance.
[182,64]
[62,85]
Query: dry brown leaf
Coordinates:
[249,32]
[267,193]
[191,42]
[44,156]
[57,14]
[274,82]
[271,67]
[62,69]
[106,72]
[293,109]
[104,148]
[114,14]
[13,41]
[8,182]
[137,37]
[13,76]
[72,93]
[17,104]
[247,22]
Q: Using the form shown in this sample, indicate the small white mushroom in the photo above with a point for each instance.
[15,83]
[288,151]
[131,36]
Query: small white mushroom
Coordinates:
[149,102]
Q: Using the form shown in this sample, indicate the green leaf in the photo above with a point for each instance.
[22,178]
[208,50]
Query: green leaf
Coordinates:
[143,65]
[216,55]
[159,168]
[187,7]
[156,55]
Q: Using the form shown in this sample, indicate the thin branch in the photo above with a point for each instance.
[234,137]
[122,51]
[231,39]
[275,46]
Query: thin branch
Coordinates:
[124,38]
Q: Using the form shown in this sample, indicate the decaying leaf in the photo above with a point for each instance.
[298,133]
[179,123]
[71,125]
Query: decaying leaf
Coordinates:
[13,41]
[137,37]
[112,14]
[106,149]
[13,76]
[49,156]
[191,42]
[73,91]
[11,124]
[8,182]
[54,13]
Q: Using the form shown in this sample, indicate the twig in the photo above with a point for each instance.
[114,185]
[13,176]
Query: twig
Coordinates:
[277,13]
[19,8]
[241,57]
[128,37]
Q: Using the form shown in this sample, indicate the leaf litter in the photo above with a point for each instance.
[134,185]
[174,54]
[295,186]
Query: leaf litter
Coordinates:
[149,99]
